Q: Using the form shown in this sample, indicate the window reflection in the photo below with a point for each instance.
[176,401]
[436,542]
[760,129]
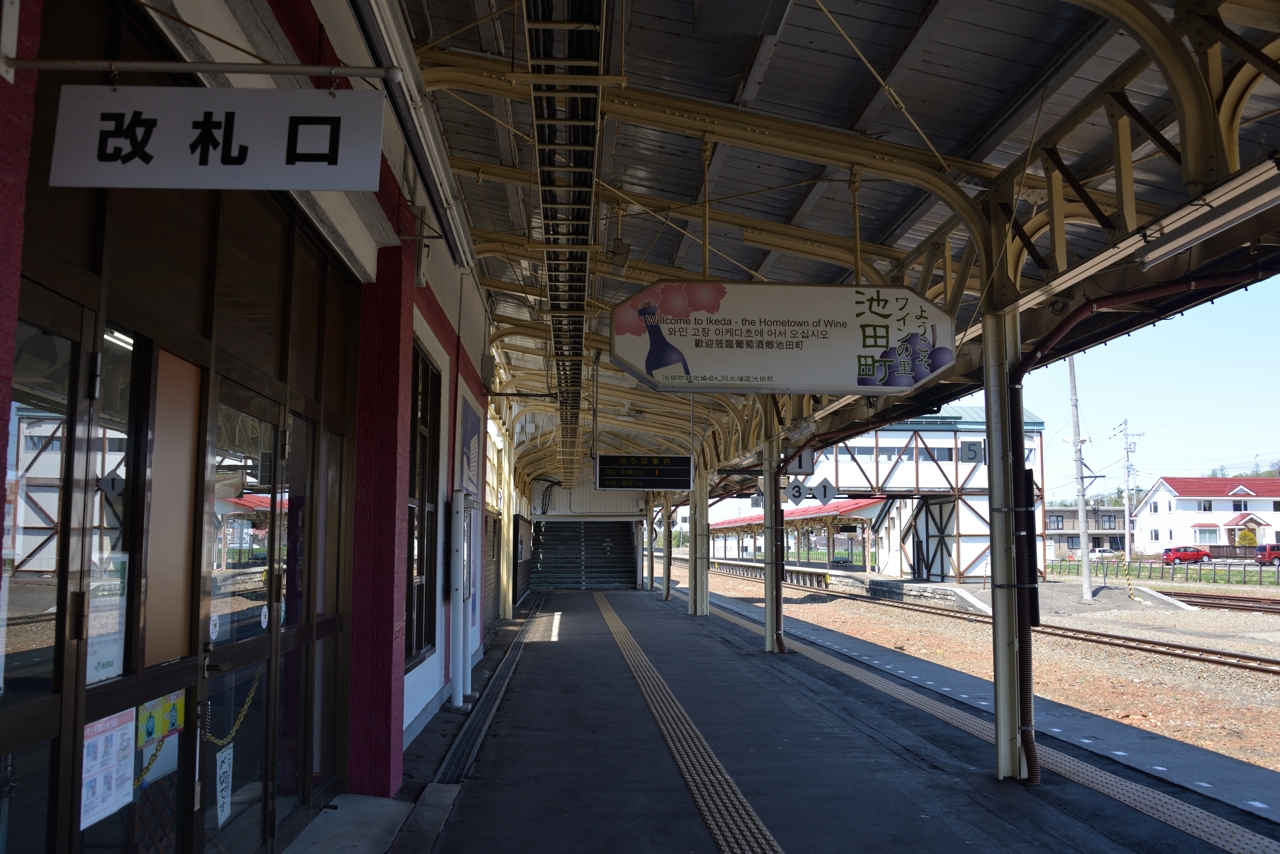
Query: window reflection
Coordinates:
[38,419]
[24,798]
[232,752]
[291,719]
[109,554]
[242,525]
[295,478]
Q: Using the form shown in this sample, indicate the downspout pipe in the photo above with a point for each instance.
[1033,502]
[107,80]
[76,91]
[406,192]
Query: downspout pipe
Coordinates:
[1026,575]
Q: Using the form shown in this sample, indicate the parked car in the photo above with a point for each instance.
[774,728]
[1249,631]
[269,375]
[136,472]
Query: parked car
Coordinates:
[1104,554]
[1268,553]
[1186,554]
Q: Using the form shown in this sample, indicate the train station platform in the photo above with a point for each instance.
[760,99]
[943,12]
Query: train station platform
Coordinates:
[622,724]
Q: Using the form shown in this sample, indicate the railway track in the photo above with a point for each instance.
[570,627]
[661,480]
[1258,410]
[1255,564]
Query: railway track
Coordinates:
[1229,602]
[1256,663]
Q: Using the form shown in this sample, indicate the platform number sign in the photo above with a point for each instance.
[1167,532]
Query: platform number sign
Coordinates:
[973,452]
[797,491]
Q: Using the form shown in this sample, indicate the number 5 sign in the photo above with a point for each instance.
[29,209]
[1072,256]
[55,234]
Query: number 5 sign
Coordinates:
[973,452]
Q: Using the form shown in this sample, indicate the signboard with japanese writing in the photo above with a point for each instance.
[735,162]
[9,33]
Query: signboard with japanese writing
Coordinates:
[228,139]
[657,472]
[800,339]
[107,770]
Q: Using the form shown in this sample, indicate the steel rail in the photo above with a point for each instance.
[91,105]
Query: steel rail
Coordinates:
[1228,601]
[1242,661]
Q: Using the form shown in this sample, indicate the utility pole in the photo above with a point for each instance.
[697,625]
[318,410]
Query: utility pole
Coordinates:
[1082,525]
[1129,448]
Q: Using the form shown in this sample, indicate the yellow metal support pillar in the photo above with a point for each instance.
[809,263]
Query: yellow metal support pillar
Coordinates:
[702,489]
[692,563]
[1000,351]
[650,535]
[772,534]
[666,546]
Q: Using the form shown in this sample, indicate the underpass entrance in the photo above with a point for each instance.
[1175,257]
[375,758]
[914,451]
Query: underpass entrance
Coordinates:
[582,555]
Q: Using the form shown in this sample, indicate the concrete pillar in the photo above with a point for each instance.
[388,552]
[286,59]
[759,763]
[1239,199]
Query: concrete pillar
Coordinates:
[828,545]
[703,492]
[774,540]
[379,571]
[666,546]
[1000,351]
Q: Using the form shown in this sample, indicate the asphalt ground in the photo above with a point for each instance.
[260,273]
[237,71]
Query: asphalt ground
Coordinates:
[573,760]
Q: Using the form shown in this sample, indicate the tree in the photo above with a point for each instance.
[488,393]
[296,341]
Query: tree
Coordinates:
[1246,538]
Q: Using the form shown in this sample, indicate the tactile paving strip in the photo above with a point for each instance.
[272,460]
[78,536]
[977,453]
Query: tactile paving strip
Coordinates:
[728,815]
[1191,820]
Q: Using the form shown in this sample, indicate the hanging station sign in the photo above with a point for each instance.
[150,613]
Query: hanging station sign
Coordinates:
[797,339]
[655,472]
[221,139]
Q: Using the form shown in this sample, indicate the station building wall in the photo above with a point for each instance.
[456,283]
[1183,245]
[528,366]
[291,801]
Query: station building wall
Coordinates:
[336,434]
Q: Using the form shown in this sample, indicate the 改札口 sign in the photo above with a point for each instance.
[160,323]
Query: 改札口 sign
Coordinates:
[811,339]
[229,139]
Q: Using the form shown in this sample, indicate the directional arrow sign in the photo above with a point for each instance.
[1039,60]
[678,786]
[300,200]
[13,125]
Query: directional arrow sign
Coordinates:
[743,337]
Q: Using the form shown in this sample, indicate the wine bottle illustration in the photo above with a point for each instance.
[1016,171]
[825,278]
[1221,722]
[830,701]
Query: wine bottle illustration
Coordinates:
[661,351]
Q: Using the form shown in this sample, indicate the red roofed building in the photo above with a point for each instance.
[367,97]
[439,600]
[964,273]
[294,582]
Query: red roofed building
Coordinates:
[1207,511]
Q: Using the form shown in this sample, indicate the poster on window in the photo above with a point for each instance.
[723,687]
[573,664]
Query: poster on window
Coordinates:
[107,776]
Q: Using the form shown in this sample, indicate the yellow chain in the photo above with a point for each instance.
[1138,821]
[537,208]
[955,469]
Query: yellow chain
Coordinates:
[223,742]
[150,762]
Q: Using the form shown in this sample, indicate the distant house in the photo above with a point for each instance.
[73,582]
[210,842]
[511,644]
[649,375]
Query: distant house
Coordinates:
[1207,511]
[1062,530]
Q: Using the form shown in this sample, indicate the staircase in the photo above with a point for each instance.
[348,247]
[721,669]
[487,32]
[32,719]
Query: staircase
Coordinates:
[583,556]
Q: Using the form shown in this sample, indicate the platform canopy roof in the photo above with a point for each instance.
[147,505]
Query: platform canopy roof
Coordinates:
[1017,157]
[830,513]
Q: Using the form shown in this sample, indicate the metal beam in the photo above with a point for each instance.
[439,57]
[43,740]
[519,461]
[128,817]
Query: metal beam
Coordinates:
[930,20]
[1064,66]
[490,172]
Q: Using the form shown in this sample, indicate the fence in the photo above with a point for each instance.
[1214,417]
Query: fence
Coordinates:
[1228,572]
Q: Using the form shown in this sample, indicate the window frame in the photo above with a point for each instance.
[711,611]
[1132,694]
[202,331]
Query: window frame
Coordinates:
[422,567]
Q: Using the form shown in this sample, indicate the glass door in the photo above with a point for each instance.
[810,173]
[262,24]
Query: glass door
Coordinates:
[241,543]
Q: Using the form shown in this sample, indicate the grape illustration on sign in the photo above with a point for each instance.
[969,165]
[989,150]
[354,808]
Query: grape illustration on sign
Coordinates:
[799,339]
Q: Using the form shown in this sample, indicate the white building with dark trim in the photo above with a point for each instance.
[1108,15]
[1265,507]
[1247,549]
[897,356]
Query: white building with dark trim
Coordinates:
[1207,511]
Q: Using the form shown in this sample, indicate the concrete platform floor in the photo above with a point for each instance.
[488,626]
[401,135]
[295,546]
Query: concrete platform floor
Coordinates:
[573,760]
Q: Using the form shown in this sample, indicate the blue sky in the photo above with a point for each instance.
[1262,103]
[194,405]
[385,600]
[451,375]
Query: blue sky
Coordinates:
[1201,387]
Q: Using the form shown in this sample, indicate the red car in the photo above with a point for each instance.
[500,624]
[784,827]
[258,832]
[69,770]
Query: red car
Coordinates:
[1186,554]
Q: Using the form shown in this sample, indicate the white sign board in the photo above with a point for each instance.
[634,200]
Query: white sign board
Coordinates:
[107,773]
[222,783]
[798,339]
[973,451]
[824,492]
[225,139]
[796,491]
[802,463]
